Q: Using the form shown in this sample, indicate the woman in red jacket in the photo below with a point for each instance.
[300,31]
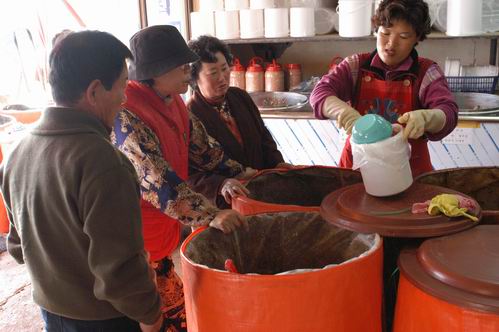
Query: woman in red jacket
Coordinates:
[154,133]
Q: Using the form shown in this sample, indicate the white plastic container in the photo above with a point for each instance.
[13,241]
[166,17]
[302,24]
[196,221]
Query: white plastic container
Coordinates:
[464,17]
[441,16]
[227,24]
[202,23]
[354,17]
[324,20]
[236,4]
[211,5]
[384,165]
[251,23]
[276,22]
[490,15]
[264,4]
[301,22]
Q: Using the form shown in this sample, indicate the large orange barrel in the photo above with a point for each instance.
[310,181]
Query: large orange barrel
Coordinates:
[450,284]
[296,189]
[480,183]
[4,220]
[6,122]
[26,116]
[298,273]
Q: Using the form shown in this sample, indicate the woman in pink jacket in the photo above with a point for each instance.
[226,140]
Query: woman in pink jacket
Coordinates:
[392,81]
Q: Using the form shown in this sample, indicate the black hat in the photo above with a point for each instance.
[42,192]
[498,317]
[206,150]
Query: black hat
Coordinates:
[157,50]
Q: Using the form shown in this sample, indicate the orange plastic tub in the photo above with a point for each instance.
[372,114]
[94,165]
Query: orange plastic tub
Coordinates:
[5,123]
[450,284]
[24,116]
[339,290]
[4,220]
[297,189]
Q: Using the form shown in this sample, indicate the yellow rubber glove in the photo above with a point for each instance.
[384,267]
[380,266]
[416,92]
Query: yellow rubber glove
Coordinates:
[420,121]
[449,205]
[336,109]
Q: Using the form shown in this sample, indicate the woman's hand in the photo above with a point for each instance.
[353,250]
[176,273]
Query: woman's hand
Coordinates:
[246,174]
[336,109]
[152,266]
[228,220]
[154,327]
[419,121]
[285,165]
[347,118]
[232,188]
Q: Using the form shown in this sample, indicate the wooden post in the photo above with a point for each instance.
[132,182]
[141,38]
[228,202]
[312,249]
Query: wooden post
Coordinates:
[143,14]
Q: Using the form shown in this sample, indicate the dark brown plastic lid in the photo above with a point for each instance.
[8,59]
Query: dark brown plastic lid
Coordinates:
[352,208]
[462,268]
[467,260]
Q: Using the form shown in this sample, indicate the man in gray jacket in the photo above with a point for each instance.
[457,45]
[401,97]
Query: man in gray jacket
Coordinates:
[73,199]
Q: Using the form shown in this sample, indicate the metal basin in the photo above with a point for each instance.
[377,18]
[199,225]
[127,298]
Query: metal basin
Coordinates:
[278,101]
[473,103]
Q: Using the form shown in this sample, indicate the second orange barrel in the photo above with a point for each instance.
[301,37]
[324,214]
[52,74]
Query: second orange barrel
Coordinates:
[297,189]
[450,284]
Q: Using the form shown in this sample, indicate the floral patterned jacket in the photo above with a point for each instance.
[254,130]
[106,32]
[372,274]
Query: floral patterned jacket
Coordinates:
[159,184]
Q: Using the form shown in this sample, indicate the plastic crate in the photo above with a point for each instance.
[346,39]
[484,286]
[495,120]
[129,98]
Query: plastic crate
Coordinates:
[484,84]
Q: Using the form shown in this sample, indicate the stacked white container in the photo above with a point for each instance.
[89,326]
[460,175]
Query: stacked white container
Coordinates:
[301,22]
[211,5]
[251,23]
[202,23]
[464,17]
[355,17]
[227,24]
[276,22]
[236,4]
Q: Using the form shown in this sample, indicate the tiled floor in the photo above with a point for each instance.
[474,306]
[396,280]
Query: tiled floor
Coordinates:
[18,313]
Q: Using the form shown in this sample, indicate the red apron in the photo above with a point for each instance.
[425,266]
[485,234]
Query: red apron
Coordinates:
[171,126]
[389,99]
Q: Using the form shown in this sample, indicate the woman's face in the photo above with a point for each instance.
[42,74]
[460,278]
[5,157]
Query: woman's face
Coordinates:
[394,44]
[176,81]
[213,80]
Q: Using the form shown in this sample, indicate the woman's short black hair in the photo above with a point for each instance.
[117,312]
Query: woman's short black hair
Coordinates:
[81,57]
[414,12]
[206,48]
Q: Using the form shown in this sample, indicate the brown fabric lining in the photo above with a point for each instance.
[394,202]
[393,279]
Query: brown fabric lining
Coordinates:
[305,187]
[279,242]
[481,183]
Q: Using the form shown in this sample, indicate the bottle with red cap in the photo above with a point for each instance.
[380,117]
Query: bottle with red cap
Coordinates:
[237,75]
[274,77]
[293,75]
[255,75]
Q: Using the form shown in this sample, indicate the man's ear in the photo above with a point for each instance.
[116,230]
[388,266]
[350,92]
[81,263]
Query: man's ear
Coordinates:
[92,92]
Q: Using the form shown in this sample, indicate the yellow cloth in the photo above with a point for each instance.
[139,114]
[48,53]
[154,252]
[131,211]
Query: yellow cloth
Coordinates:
[449,205]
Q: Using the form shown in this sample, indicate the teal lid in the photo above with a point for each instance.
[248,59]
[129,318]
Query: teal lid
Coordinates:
[371,128]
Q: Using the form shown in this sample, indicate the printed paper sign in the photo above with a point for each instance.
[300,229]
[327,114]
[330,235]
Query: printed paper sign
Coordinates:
[460,136]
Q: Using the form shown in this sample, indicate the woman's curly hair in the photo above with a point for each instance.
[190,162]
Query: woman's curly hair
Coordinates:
[414,12]
[206,47]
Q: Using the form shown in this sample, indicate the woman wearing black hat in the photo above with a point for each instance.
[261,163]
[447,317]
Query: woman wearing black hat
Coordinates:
[154,132]
[229,116]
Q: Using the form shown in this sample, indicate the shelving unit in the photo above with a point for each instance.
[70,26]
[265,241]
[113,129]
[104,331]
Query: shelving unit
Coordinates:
[336,37]
[274,47]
